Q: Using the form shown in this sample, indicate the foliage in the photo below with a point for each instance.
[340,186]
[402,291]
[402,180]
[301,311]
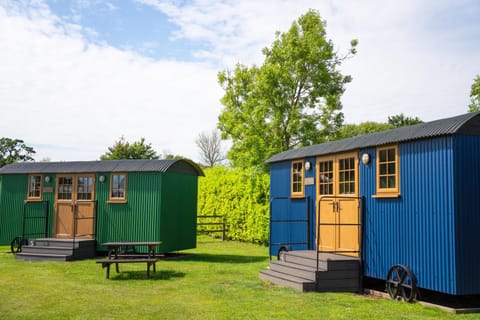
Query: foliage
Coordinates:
[292,100]
[475,95]
[210,145]
[14,150]
[124,150]
[241,196]
[353,130]
[400,120]
[218,280]
[396,121]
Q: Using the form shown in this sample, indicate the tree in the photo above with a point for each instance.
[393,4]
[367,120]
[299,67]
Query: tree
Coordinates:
[353,130]
[14,150]
[400,120]
[292,100]
[396,121]
[210,145]
[475,95]
[124,150]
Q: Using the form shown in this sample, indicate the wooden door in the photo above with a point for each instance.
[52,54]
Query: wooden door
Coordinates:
[75,206]
[338,205]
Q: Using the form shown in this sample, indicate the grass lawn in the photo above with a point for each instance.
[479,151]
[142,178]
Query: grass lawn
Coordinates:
[218,280]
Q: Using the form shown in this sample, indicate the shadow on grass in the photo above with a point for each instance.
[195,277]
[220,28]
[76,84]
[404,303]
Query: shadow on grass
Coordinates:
[142,275]
[220,258]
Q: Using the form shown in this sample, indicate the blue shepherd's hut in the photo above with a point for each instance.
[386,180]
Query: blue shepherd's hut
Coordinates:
[401,205]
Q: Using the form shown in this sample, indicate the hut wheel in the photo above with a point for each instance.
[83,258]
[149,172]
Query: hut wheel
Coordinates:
[17,243]
[401,283]
[281,251]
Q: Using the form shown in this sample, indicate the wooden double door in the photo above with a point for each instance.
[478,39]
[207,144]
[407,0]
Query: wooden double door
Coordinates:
[338,207]
[75,206]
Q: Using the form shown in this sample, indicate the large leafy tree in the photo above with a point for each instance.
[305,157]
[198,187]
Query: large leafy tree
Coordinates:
[124,150]
[353,130]
[400,120]
[396,121]
[290,101]
[475,95]
[14,150]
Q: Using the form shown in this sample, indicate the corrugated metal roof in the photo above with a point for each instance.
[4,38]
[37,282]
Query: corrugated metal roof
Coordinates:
[175,166]
[468,123]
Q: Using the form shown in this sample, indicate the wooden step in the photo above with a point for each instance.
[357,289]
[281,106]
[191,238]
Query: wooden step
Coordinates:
[58,250]
[297,269]
[294,269]
[42,257]
[285,280]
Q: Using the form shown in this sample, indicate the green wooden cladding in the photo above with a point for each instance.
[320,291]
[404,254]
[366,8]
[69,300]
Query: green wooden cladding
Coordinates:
[160,207]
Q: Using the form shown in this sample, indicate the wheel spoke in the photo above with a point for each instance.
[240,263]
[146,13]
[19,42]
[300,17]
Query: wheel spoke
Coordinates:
[401,283]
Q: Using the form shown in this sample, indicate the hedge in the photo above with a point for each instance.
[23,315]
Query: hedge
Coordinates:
[241,197]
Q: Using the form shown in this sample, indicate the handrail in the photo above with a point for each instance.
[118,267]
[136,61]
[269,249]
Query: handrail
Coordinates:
[307,220]
[360,233]
[26,217]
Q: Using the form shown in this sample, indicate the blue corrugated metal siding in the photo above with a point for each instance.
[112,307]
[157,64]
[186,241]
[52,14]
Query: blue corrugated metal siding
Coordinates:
[467,213]
[285,208]
[417,229]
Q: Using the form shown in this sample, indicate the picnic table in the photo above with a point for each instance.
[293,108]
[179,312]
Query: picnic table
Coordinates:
[115,256]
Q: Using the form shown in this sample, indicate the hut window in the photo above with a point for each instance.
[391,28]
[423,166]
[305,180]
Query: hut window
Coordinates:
[65,188]
[34,187]
[297,178]
[387,171]
[118,190]
[325,174]
[84,187]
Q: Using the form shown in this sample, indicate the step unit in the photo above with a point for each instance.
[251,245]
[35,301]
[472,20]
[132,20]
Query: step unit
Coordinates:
[298,270]
[53,249]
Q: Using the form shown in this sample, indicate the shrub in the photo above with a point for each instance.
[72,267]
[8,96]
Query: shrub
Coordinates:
[241,197]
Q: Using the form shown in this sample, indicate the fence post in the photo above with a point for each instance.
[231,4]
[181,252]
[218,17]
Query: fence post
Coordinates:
[223,228]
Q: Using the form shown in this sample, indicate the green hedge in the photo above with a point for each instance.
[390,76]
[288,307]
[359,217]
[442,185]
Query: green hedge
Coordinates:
[241,197]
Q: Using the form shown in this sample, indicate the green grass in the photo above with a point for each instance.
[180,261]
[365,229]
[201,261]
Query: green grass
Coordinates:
[218,280]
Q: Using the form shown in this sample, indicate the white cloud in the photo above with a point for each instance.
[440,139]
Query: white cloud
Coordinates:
[56,89]
[73,98]
[406,60]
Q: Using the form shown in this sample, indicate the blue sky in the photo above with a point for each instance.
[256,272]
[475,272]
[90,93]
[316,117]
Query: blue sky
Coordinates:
[77,75]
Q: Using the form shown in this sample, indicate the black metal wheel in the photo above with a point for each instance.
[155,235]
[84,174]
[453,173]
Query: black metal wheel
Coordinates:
[17,243]
[401,283]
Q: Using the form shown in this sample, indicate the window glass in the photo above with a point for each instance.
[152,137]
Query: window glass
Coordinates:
[84,187]
[118,186]
[325,176]
[297,178]
[34,187]
[346,176]
[65,188]
[387,170]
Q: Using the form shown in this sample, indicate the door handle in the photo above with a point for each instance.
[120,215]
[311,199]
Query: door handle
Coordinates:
[337,207]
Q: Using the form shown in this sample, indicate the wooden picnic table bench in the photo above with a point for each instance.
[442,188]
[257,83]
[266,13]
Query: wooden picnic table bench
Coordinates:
[115,257]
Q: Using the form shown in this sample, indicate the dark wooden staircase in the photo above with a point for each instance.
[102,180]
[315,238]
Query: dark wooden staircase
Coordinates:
[53,249]
[298,270]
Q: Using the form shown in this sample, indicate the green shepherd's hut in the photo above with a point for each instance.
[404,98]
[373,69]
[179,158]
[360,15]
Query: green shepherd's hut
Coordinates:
[87,203]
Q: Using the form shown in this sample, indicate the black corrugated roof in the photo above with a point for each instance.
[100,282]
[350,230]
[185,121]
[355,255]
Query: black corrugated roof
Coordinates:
[468,123]
[175,166]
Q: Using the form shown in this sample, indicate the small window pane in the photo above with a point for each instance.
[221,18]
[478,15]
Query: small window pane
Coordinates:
[391,168]
[391,154]
[391,182]
[383,155]
[383,169]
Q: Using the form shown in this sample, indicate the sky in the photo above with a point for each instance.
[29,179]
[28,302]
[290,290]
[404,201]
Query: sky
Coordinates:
[77,75]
